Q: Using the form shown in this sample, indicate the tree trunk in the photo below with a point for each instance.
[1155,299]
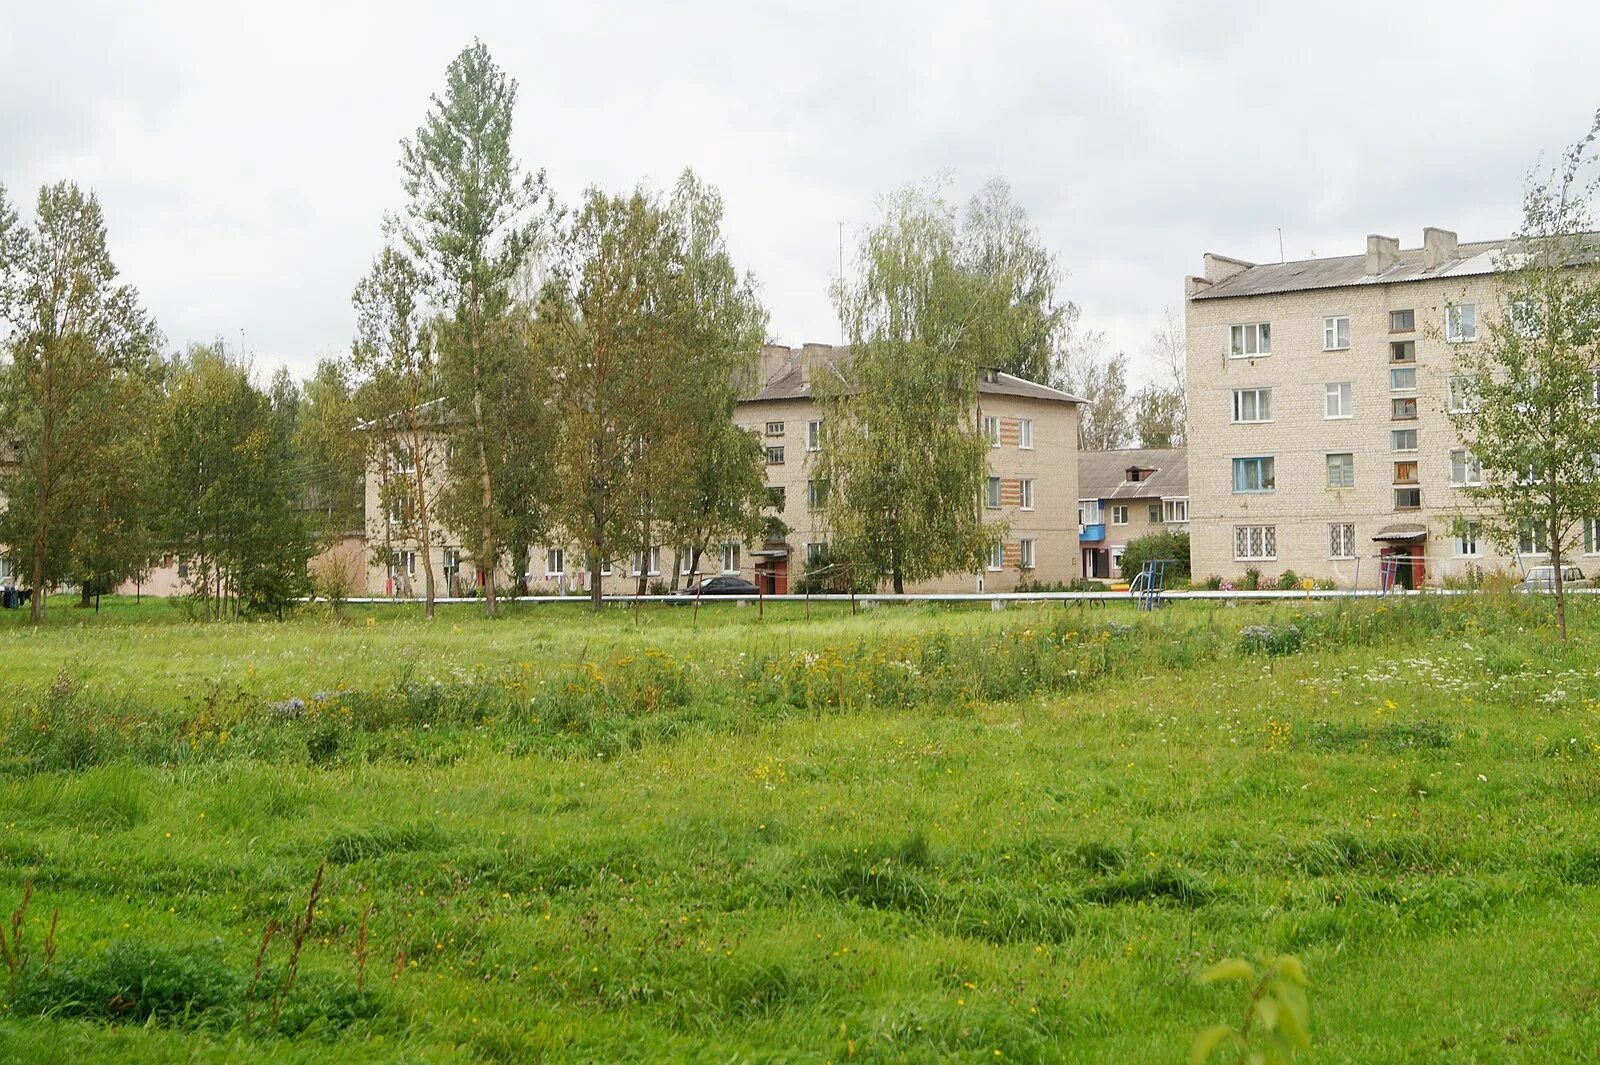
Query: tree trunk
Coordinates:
[85,592]
[1560,585]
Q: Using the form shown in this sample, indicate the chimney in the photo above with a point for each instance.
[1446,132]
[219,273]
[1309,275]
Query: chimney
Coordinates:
[1381,253]
[1438,247]
[812,357]
[1220,267]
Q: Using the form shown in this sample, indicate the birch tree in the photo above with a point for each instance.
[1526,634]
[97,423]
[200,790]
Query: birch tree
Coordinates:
[1527,393]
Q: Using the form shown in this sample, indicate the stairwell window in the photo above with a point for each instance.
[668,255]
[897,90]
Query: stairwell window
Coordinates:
[1402,321]
[1336,333]
[774,428]
[1252,405]
[992,494]
[1250,341]
[1341,470]
[1461,322]
[997,557]
[1338,399]
[1404,409]
[775,456]
[1342,540]
[1255,543]
[1408,499]
[814,435]
[1403,379]
[1255,474]
[1403,351]
[1464,469]
[1402,440]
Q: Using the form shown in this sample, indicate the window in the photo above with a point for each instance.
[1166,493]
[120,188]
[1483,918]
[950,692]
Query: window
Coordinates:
[452,562]
[1402,321]
[1119,515]
[1025,434]
[1116,558]
[1463,394]
[1591,537]
[816,494]
[1336,333]
[775,456]
[405,463]
[1466,540]
[815,552]
[688,560]
[1460,322]
[1464,468]
[1155,513]
[1248,341]
[1403,409]
[814,435]
[1025,488]
[401,562]
[1175,511]
[1523,317]
[1338,399]
[1255,542]
[1405,472]
[1341,470]
[1533,539]
[1341,540]
[776,497]
[1408,499]
[992,493]
[1403,351]
[1255,474]
[1402,440]
[555,562]
[5,570]
[991,429]
[402,510]
[774,428]
[654,561]
[1025,553]
[997,556]
[1403,379]
[730,558]
[1252,404]
[1090,512]
[605,567]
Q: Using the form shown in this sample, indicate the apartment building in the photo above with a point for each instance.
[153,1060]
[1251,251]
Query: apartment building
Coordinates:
[1319,396]
[1031,487]
[1125,494]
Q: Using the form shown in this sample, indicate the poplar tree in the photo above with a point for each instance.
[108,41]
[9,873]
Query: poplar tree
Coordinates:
[80,345]
[1527,394]
[471,223]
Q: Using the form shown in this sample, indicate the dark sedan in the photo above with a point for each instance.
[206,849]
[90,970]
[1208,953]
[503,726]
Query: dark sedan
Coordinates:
[724,585]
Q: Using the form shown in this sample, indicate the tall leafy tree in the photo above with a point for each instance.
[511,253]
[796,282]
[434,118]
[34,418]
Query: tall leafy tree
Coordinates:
[905,460]
[330,451]
[1529,414]
[471,223]
[1160,408]
[399,394]
[1100,378]
[79,345]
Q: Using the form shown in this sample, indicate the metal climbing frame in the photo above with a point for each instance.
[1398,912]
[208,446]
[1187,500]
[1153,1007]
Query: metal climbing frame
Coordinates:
[1150,583]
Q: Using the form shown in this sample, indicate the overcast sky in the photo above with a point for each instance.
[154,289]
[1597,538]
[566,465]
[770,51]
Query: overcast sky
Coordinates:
[246,154]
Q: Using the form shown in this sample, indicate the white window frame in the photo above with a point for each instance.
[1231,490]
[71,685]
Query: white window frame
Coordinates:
[1465,471]
[1461,397]
[997,556]
[1262,404]
[1245,341]
[1591,536]
[1175,511]
[993,492]
[1531,539]
[730,557]
[775,455]
[991,429]
[1331,325]
[1461,323]
[650,559]
[1027,555]
[1252,534]
[1523,318]
[814,550]
[1025,434]
[688,560]
[1343,466]
[1123,509]
[814,434]
[1342,540]
[774,429]
[1400,373]
[1026,486]
[1345,394]
[555,562]
[1091,508]
[1468,542]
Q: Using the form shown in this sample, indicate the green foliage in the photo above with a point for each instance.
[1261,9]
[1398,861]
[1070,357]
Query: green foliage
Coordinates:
[1158,545]
[1277,1015]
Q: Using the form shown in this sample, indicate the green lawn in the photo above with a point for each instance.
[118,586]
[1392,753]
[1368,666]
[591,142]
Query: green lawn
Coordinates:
[918,834]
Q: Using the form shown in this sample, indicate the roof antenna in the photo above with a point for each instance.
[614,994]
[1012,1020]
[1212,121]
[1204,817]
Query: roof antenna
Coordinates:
[1280,244]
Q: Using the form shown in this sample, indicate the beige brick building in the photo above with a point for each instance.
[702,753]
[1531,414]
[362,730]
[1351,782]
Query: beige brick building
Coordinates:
[1032,486]
[1318,398]
[1123,495]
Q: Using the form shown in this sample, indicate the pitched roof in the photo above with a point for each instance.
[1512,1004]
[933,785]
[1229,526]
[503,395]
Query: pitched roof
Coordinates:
[1103,474]
[788,380]
[1339,271]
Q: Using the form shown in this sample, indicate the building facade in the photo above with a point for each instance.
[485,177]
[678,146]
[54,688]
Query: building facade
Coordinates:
[1125,494]
[1031,487]
[1319,399]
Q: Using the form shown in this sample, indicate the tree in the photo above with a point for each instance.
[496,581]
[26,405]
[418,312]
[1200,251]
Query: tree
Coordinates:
[80,343]
[471,223]
[1526,394]
[330,451]
[399,395]
[226,488]
[1160,408]
[905,459]
[1101,381]
[999,242]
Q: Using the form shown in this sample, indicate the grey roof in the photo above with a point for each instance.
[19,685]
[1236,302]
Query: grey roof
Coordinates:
[791,382]
[1103,474]
[1340,271]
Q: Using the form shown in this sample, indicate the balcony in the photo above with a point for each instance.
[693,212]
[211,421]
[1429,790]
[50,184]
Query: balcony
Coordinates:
[1092,534]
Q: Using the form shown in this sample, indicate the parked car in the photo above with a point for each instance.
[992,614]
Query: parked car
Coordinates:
[723,585]
[1543,579]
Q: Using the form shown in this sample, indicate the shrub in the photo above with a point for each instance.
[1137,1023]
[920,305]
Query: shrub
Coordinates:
[1252,579]
[1169,545]
[1270,640]
[1288,581]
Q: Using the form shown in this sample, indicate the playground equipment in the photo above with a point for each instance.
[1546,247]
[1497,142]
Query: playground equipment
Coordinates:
[1151,582]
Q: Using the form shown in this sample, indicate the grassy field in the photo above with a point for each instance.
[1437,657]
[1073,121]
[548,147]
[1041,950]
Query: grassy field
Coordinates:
[918,834]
